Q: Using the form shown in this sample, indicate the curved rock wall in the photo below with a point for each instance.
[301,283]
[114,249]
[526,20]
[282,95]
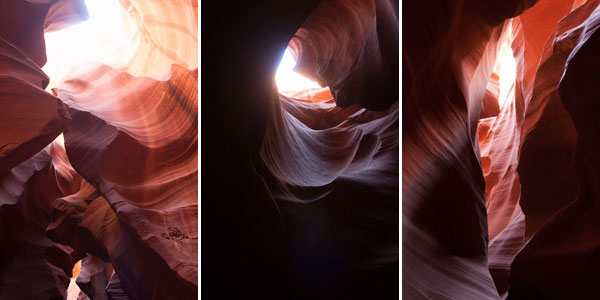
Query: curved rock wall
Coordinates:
[318,213]
[527,151]
[122,191]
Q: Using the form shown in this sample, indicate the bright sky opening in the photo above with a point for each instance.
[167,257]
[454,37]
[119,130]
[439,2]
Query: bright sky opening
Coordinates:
[102,38]
[507,71]
[288,81]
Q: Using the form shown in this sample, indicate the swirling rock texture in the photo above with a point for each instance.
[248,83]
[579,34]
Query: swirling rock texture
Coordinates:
[307,184]
[499,199]
[118,188]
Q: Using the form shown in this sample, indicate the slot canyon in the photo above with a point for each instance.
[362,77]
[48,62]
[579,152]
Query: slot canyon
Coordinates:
[300,187]
[500,195]
[98,149]
[306,117]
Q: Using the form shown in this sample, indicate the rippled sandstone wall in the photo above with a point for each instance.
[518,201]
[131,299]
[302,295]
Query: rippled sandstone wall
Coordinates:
[314,212]
[486,192]
[120,190]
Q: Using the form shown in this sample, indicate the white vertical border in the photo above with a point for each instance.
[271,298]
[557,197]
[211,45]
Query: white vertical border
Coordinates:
[199,152]
[400,149]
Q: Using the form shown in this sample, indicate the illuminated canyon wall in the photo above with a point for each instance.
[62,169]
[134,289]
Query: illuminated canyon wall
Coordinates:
[103,168]
[499,189]
[306,184]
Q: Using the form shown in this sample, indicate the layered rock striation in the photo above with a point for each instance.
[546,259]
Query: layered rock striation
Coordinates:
[493,196]
[118,188]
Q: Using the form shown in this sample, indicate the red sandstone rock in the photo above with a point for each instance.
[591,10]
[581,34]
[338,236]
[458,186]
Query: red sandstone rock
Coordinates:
[529,151]
[150,163]
[336,160]
[446,64]
[93,278]
[31,118]
[144,164]
[357,60]
[33,172]
[114,289]
[26,198]
[569,236]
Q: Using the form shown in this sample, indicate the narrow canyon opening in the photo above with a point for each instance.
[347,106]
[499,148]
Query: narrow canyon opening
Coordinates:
[106,37]
[506,68]
[296,86]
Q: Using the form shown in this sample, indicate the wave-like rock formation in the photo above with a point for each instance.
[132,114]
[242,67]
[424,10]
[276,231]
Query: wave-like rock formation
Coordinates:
[314,211]
[498,188]
[118,188]
[34,266]
[30,118]
[99,160]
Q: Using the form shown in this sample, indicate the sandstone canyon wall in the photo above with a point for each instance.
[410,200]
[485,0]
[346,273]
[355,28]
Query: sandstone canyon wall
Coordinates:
[498,194]
[118,189]
[306,185]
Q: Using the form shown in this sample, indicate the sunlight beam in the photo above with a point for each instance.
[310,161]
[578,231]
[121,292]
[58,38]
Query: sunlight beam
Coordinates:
[290,82]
